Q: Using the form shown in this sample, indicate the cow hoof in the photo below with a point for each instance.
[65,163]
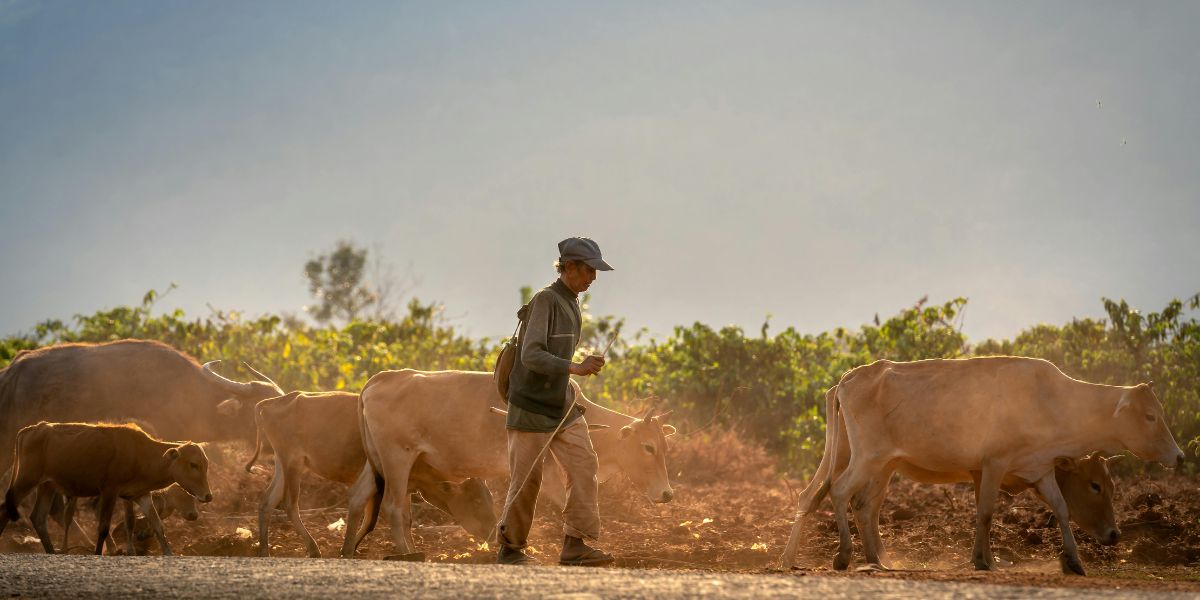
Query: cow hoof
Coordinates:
[1071,565]
[982,565]
[872,568]
[841,562]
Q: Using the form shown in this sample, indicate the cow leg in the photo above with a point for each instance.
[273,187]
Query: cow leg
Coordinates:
[130,518]
[41,511]
[985,509]
[104,513]
[866,515]
[1048,488]
[270,502]
[68,519]
[146,504]
[291,500]
[850,485]
[397,507]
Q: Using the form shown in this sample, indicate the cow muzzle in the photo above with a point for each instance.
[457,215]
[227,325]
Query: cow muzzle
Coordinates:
[1113,536]
[666,496]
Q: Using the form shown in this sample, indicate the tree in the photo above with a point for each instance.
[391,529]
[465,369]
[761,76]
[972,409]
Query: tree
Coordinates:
[336,281]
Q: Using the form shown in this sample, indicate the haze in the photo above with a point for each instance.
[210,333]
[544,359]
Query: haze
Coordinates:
[819,162]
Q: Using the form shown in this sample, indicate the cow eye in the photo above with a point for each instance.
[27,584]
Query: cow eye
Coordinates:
[1150,418]
[1095,487]
[649,448]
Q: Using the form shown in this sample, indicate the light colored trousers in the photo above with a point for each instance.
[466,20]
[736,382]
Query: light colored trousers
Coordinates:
[573,449]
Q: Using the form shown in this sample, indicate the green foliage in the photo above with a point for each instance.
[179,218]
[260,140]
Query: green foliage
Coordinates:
[297,356]
[768,388]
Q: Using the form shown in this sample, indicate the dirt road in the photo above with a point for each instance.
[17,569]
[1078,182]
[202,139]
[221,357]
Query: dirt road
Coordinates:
[74,576]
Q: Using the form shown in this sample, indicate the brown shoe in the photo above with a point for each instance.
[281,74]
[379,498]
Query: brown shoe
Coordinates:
[575,553]
[512,556]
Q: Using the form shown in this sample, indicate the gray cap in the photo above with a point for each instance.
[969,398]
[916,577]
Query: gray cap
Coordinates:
[584,249]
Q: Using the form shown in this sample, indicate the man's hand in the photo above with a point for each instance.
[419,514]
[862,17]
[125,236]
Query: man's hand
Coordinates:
[590,366]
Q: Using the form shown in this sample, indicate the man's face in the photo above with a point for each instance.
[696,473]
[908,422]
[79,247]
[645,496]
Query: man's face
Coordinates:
[578,276]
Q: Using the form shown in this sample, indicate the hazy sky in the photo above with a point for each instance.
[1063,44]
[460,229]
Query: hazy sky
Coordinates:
[822,162]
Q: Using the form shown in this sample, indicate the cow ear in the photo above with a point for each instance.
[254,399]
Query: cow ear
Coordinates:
[626,431]
[1065,463]
[1112,460]
[230,407]
[668,430]
[171,453]
[1122,404]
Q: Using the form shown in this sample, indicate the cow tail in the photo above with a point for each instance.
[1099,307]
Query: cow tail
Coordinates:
[258,410]
[10,500]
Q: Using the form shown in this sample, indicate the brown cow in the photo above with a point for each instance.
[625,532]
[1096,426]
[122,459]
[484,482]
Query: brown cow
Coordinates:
[136,379]
[1086,486]
[165,503]
[320,431]
[109,461]
[448,420]
[1006,418]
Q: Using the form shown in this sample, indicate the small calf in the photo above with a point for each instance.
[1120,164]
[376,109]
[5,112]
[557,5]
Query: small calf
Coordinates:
[108,461]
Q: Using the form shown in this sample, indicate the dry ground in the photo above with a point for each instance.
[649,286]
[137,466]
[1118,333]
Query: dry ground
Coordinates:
[732,513]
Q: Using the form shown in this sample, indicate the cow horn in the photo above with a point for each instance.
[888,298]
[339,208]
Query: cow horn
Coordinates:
[264,377]
[236,387]
[665,415]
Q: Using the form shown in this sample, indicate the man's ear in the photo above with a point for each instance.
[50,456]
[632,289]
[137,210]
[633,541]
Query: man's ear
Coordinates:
[626,431]
[1064,463]
[230,407]
[668,430]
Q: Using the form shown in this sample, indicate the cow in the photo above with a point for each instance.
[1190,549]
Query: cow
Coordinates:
[320,431]
[165,503]
[1086,485]
[109,461]
[139,379]
[449,420]
[1001,419]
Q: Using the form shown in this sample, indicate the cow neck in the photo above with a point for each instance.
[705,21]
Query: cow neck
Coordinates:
[1092,427]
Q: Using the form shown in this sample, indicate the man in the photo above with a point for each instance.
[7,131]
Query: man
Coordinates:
[541,403]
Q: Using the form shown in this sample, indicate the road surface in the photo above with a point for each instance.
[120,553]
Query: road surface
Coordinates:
[67,576]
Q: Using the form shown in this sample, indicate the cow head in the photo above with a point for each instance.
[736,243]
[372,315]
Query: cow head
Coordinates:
[1141,427]
[240,397]
[175,499]
[469,503]
[188,466]
[1087,486]
[641,454]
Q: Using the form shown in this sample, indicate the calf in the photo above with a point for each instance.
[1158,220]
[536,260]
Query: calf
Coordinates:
[165,503]
[109,461]
[320,432]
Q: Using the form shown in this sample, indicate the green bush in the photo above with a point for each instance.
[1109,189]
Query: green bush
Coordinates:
[769,388]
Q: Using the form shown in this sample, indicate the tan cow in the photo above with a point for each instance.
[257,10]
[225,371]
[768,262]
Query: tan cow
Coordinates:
[167,502]
[1005,418]
[1086,486]
[320,431]
[446,418]
[109,461]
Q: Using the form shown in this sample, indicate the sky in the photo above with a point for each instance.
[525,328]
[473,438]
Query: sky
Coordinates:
[818,162]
